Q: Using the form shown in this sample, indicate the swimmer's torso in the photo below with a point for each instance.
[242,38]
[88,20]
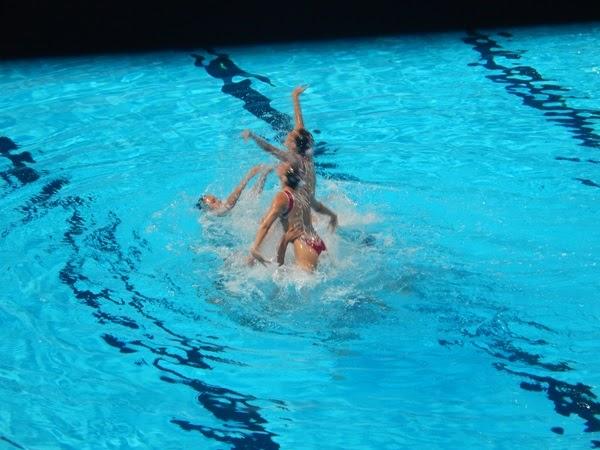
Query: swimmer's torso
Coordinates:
[299,216]
[308,175]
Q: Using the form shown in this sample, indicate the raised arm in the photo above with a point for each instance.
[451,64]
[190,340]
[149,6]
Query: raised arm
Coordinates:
[235,195]
[277,207]
[299,122]
[322,209]
[278,153]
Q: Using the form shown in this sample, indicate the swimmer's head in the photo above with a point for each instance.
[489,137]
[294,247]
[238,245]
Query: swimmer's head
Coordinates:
[300,141]
[289,174]
[208,202]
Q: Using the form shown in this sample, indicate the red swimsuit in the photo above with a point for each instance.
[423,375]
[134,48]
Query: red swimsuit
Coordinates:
[313,241]
[290,198]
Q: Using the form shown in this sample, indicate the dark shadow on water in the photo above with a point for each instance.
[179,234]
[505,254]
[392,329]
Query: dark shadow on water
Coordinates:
[495,337]
[82,235]
[569,399]
[20,171]
[13,443]
[223,68]
[536,92]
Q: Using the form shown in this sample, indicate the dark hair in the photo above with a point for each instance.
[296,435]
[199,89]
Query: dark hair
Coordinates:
[200,202]
[303,139]
[292,176]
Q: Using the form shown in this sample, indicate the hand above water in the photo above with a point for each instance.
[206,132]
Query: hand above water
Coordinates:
[299,90]
[246,135]
[255,255]
[292,234]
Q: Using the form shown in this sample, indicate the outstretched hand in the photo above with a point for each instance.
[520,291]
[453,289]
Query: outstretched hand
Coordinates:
[246,135]
[292,234]
[299,90]
[258,257]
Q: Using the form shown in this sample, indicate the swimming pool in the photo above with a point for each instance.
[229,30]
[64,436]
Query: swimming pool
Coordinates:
[457,306]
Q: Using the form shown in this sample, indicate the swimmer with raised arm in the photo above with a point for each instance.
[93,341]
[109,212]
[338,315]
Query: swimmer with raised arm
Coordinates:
[299,143]
[296,220]
[220,207]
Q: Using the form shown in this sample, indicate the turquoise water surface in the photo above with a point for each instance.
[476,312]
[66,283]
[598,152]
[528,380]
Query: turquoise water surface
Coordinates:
[456,307]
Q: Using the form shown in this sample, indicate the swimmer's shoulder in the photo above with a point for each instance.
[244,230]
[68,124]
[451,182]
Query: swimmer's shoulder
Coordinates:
[281,198]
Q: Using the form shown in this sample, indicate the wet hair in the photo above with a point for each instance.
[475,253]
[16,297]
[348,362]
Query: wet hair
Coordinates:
[303,140]
[292,176]
[200,203]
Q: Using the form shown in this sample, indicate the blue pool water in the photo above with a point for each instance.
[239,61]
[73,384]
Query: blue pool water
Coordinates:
[457,306]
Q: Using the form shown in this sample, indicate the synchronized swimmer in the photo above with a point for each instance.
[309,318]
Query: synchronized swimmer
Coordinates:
[295,217]
[293,203]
